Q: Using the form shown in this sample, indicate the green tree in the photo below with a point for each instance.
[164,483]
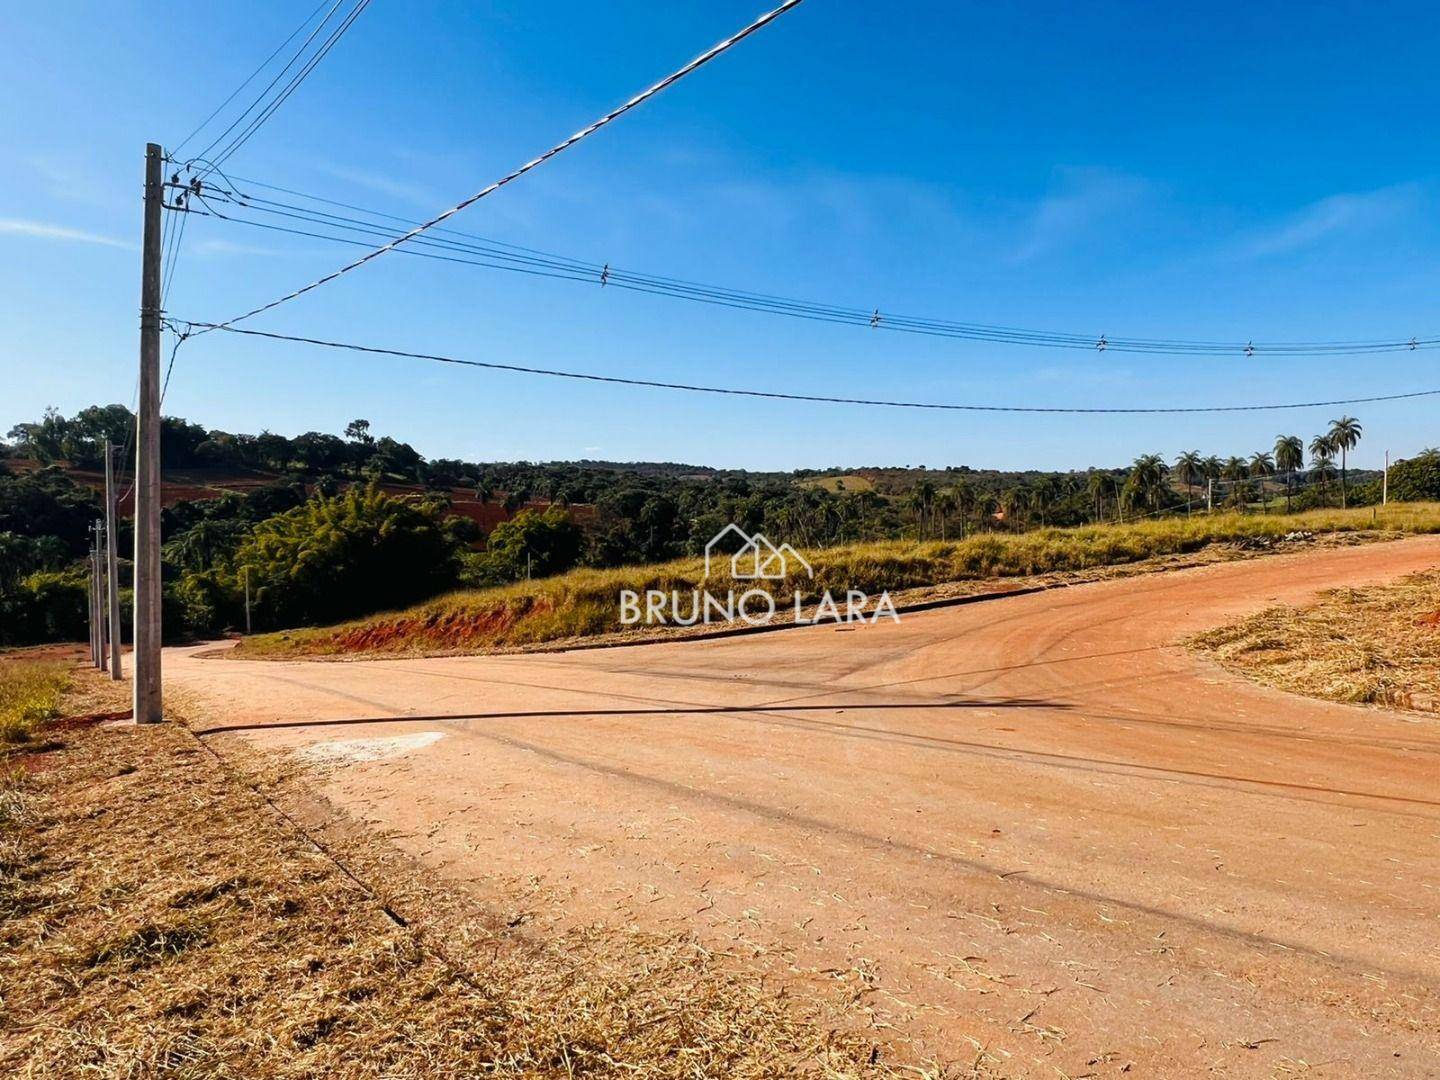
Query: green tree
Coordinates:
[335,557]
[1289,458]
[1262,465]
[1189,469]
[1146,483]
[1235,469]
[534,542]
[1344,435]
[1322,465]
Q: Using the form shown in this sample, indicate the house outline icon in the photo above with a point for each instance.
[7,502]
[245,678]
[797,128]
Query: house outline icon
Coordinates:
[757,558]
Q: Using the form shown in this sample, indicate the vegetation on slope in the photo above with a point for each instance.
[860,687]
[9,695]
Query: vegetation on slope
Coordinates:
[1376,645]
[541,518]
[585,602]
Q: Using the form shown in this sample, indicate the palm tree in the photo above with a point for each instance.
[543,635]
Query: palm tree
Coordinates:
[944,507]
[1289,456]
[1322,450]
[1012,501]
[1322,470]
[1261,466]
[1236,470]
[1344,434]
[1100,485]
[1212,467]
[1043,492]
[1147,480]
[964,496]
[1189,467]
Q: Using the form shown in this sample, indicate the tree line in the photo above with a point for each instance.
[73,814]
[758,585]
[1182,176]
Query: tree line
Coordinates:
[328,533]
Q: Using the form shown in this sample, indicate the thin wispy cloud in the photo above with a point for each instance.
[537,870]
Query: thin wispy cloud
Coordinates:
[227,247]
[64,180]
[1335,216]
[384,185]
[1086,200]
[42,230]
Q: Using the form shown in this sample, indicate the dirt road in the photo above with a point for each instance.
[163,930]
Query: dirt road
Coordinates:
[1031,833]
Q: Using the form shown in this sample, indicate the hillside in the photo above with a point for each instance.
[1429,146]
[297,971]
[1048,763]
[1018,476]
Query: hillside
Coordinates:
[584,603]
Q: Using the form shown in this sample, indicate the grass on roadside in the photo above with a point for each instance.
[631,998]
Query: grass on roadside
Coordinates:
[30,693]
[584,603]
[1376,645]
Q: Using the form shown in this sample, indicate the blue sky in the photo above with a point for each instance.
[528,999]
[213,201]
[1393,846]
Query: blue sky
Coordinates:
[1235,172]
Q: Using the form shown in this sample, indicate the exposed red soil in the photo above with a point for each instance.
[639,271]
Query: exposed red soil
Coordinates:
[439,630]
[1039,833]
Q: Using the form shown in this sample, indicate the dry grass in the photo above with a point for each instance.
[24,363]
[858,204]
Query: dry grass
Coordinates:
[1376,645]
[584,603]
[30,692]
[851,482]
[158,916]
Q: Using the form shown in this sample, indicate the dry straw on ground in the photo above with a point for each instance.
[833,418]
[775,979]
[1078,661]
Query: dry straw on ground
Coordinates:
[159,916]
[1376,645]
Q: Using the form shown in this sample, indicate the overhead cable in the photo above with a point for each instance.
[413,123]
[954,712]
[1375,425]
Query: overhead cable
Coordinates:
[497,255]
[558,148]
[248,79]
[270,109]
[188,327]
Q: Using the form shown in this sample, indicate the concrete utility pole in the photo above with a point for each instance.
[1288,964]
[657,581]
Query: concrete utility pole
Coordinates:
[97,634]
[1210,495]
[148,701]
[247,599]
[90,601]
[112,563]
[100,605]
[1385,482]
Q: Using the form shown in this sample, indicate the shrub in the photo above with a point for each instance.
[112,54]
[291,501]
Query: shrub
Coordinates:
[1416,479]
[336,557]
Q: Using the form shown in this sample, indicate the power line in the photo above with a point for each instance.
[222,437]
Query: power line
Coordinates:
[250,78]
[558,148]
[270,110]
[172,257]
[515,258]
[260,98]
[190,327]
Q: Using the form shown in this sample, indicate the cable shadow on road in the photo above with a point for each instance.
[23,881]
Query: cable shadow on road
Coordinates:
[700,710]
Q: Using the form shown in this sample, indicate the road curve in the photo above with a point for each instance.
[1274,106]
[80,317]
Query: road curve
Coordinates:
[1032,829]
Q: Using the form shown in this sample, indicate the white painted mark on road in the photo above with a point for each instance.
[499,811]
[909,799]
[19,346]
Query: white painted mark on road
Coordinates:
[351,751]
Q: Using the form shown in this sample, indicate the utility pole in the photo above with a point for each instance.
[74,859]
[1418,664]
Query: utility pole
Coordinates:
[112,563]
[90,599]
[100,603]
[1210,495]
[247,598]
[148,701]
[1385,482]
[97,603]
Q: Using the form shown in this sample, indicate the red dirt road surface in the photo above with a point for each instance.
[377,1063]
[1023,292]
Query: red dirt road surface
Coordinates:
[1032,833]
